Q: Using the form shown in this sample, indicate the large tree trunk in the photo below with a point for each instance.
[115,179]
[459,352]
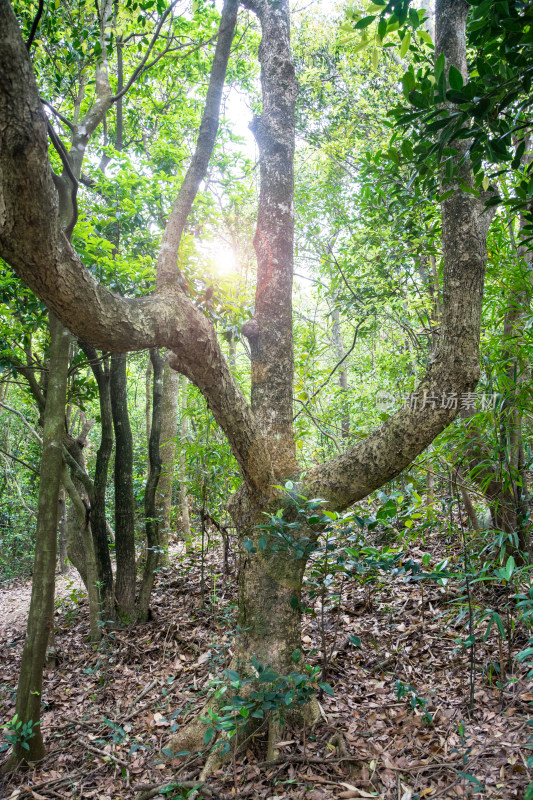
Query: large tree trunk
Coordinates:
[270,583]
[126,572]
[41,613]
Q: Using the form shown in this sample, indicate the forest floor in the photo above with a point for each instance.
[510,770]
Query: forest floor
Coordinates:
[109,709]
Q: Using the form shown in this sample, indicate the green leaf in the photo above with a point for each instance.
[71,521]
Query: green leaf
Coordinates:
[406,41]
[408,83]
[418,99]
[326,688]
[455,78]
[262,543]
[529,792]
[355,640]
[509,567]
[208,735]
[440,63]
[523,655]
[365,22]
[471,779]
[414,19]
[296,656]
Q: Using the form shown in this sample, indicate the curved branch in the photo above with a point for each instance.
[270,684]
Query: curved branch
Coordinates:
[19,461]
[58,114]
[142,66]
[455,364]
[63,155]
[24,420]
[43,258]
[35,25]
[167,271]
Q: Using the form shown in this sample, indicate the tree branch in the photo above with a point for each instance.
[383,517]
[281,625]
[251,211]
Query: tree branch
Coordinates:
[142,66]
[19,461]
[44,259]
[24,420]
[455,364]
[35,25]
[167,270]
[335,368]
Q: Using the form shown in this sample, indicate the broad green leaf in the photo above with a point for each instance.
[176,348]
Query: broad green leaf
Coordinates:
[406,41]
[440,63]
[455,78]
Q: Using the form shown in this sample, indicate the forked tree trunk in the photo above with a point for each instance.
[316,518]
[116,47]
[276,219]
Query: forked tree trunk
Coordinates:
[126,573]
[262,437]
[79,530]
[41,613]
[270,583]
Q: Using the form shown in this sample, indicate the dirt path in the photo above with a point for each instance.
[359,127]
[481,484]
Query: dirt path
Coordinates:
[15,600]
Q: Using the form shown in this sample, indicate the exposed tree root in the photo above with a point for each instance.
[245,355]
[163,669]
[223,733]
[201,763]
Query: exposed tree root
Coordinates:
[338,742]
[191,738]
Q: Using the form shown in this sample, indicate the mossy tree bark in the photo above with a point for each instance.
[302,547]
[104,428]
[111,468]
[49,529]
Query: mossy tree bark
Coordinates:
[41,613]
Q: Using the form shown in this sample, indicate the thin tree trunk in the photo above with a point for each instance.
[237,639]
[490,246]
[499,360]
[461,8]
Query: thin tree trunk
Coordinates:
[343,375]
[41,613]
[126,573]
[101,372]
[167,450]
[81,525]
[150,511]
[62,530]
[148,412]
[182,469]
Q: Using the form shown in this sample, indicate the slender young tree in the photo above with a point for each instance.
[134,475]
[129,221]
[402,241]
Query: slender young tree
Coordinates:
[167,448]
[41,613]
